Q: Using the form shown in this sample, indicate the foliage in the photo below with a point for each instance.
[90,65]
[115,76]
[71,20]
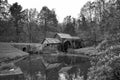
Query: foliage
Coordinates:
[4,11]
[31,27]
[26,24]
[15,10]
[69,24]
[47,18]
[105,64]
[6,31]
[99,21]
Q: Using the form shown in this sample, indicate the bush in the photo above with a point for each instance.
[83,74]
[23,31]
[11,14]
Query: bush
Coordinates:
[106,63]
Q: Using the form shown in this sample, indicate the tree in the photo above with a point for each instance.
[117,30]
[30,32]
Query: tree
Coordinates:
[105,63]
[4,11]
[6,25]
[89,23]
[47,18]
[32,30]
[101,19]
[49,15]
[87,10]
[16,10]
[69,24]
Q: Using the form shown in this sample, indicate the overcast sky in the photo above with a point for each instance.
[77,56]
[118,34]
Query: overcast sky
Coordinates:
[62,7]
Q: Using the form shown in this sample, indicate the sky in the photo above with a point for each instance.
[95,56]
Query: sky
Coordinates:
[62,8]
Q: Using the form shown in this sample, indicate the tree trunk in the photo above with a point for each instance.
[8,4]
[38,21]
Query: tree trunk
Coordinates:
[17,31]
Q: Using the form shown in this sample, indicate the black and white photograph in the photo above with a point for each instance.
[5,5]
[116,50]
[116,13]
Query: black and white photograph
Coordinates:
[59,39]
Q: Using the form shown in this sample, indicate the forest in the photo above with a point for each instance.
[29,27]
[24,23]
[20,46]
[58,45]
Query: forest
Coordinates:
[98,25]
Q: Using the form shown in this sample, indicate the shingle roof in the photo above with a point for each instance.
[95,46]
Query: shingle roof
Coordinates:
[50,41]
[8,51]
[67,36]
[64,35]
